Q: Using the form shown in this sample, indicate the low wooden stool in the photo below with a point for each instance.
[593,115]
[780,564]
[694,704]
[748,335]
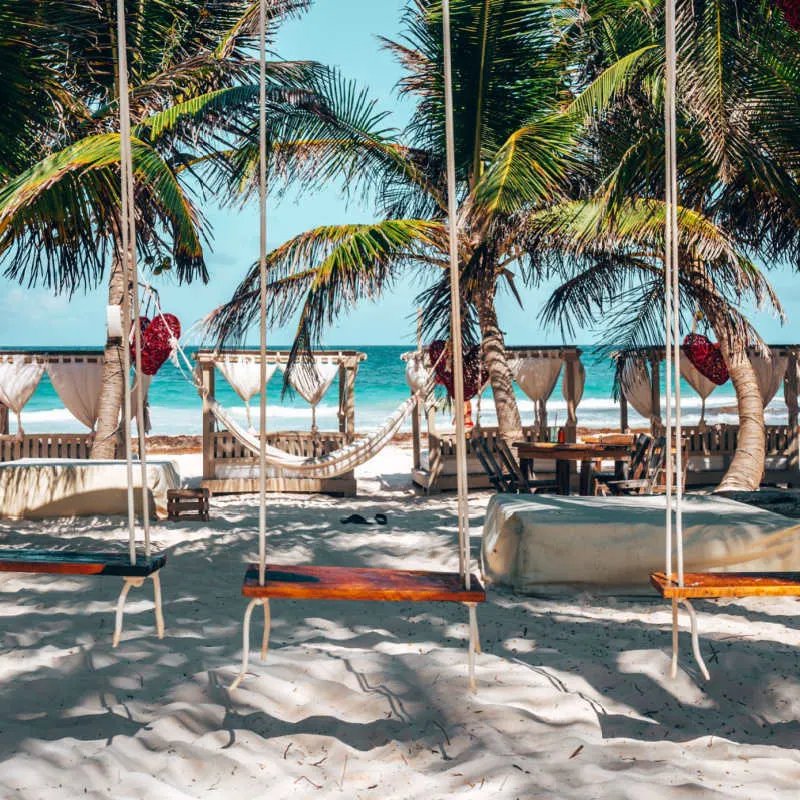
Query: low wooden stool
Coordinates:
[183,502]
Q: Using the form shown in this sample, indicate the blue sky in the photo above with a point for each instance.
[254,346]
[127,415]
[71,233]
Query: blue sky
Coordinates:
[341,33]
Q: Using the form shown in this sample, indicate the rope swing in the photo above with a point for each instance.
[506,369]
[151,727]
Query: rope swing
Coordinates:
[263,581]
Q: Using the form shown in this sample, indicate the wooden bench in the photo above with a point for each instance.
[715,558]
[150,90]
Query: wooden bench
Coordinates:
[356,583]
[188,502]
[714,585]
[65,562]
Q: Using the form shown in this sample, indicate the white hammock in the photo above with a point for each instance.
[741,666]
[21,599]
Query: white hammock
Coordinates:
[328,466]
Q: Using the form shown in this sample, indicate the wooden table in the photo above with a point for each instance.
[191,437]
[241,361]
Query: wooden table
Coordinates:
[564,453]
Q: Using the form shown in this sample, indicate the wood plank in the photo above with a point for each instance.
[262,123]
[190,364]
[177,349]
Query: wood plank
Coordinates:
[309,582]
[64,562]
[728,584]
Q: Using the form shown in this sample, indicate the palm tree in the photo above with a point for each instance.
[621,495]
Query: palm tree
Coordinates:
[510,156]
[738,99]
[193,93]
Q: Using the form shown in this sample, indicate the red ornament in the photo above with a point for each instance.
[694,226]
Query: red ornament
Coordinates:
[158,342]
[791,12]
[706,357]
[474,374]
[143,323]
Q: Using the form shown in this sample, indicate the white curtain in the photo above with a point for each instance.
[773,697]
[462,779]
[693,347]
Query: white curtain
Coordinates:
[312,384]
[576,369]
[769,372]
[417,374]
[637,388]
[78,385]
[243,373]
[702,385]
[537,377]
[18,381]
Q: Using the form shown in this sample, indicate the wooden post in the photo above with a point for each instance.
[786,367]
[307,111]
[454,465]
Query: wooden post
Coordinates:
[209,421]
[655,393]
[4,423]
[790,390]
[342,413]
[350,401]
[624,427]
[416,425]
[571,426]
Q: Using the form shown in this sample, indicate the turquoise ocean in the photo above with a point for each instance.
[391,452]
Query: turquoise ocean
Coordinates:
[175,407]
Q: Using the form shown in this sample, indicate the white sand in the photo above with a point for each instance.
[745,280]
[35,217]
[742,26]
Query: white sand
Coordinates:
[370,700]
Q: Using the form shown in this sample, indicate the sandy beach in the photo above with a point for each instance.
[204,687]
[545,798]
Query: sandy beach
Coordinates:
[371,700]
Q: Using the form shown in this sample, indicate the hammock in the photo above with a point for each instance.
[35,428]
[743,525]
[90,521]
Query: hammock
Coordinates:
[328,466]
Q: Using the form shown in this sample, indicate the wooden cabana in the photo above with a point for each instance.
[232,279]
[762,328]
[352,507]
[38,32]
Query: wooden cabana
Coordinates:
[537,370]
[20,373]
[229,466]
[711,446]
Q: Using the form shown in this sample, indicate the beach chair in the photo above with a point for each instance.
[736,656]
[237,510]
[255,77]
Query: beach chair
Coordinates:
[646,483]
[635,470]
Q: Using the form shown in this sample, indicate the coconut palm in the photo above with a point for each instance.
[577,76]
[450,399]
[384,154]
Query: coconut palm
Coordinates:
[192,95]
[511,148]
[738,98]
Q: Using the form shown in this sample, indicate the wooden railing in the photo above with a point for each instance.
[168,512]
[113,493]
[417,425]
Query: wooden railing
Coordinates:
[445,443]
[228,449]
[722,440]
[45,445]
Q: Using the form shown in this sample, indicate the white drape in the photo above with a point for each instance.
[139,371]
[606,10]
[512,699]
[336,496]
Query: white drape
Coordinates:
[769,373]
[702,385]
[18,381]
[417,374]
[312,384]
[243,373]
[637,388]
[576,370]
[78,385]
[537,377]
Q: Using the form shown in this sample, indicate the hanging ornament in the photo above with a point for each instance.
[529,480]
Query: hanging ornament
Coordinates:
[791,12]
[159,341]
[706,358]
[474,374]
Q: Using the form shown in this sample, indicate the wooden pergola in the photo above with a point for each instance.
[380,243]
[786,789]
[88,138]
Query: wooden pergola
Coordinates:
[227,462]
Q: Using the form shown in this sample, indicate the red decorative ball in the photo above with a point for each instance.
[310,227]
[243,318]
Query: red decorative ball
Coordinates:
[475,375]
[791,12]
[158,342]
[706,357]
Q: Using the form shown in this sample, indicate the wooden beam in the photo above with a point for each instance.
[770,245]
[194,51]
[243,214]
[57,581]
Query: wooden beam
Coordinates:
[65,562]
[209,421]
[361,583]
[728,584]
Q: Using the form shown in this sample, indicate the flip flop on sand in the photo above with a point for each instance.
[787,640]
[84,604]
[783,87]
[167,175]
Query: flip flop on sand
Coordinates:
[355,519]
[381,518]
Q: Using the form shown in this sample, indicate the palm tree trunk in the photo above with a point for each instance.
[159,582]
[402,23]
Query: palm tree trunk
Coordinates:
[108,434]
[494,357]
[747,467]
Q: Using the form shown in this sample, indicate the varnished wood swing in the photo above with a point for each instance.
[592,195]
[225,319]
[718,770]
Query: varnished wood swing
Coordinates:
[262,581]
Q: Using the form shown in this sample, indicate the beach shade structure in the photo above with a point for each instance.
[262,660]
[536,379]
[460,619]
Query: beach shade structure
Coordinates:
[243,373]
[134,568]
[675,584]
[264,581]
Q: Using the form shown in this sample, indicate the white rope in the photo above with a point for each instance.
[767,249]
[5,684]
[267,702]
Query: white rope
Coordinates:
[128,257]
[262,197]
[672,304]
[455,309]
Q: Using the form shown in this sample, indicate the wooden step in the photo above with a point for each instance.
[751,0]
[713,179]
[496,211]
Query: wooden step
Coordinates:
[361,583]
[727,584]
[65,562]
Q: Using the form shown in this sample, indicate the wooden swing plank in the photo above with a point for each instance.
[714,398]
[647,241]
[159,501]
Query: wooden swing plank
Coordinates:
[361,583]
[65,562]
[727,584]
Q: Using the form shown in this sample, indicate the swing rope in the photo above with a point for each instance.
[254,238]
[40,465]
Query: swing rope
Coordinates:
[129,268]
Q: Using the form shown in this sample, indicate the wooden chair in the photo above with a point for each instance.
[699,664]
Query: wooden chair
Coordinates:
[636,468]
[653,467]
[524,484]
[505,474]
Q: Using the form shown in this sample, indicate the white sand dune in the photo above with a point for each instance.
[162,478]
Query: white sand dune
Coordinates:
[370,700]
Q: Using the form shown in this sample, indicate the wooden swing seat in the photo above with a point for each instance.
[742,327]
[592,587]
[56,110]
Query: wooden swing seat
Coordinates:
[360,583]
[711,585]
[65,562]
